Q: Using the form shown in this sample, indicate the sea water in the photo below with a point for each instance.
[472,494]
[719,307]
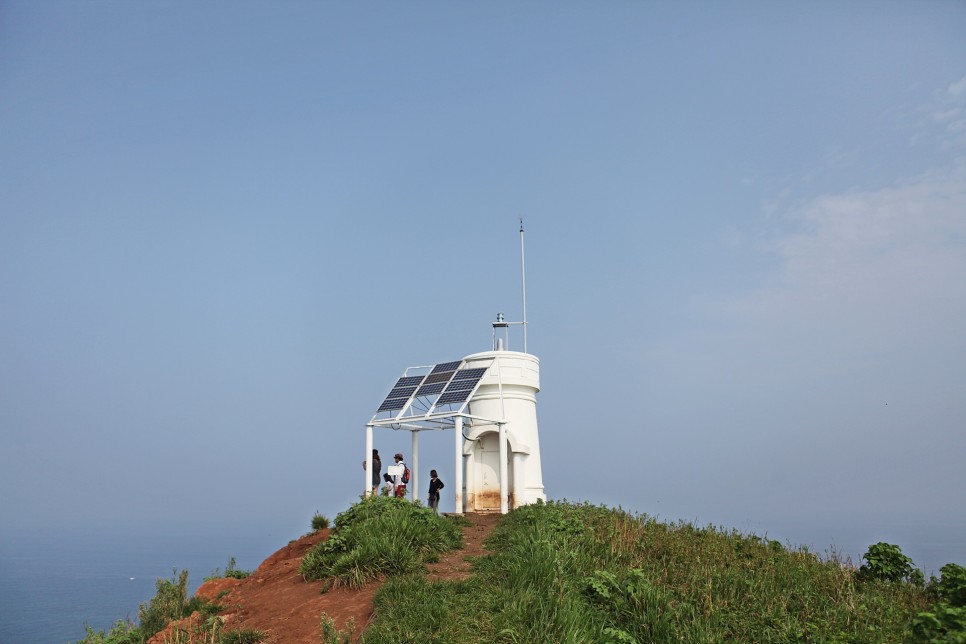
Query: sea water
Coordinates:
[51,586]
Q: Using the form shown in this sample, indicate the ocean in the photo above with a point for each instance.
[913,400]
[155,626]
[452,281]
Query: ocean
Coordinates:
[51,586]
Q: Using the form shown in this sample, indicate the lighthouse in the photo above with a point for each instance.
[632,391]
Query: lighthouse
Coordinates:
[489,401]
[502,460]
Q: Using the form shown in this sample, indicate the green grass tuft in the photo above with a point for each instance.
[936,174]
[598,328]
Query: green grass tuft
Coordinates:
[379,536]
[231,572]
[319,521]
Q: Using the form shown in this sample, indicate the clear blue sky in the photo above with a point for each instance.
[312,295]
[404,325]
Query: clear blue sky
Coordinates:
[226,228]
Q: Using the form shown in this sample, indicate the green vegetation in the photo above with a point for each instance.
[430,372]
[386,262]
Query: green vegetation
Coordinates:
[885,562]
[379,536]
[582,573]
[231,572]
[332,635]
[171,603]
[945,621]
[248,636]
[562,572]
[320,521]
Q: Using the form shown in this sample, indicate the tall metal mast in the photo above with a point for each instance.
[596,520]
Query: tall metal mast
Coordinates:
[523,273]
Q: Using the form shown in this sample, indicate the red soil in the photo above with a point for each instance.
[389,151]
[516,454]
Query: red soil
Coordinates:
[276,600]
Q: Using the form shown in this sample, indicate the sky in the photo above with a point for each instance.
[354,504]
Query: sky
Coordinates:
[226,228]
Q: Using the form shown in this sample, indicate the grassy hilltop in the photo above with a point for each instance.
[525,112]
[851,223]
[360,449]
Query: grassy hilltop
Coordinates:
[563,572]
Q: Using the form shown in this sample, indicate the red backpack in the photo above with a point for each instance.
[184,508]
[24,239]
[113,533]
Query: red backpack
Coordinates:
[405,476]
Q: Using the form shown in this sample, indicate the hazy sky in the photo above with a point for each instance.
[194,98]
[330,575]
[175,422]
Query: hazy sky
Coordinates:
[227,227]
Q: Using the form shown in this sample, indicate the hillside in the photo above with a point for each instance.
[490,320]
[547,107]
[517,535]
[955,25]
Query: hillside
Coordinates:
[277,601]
[557,572]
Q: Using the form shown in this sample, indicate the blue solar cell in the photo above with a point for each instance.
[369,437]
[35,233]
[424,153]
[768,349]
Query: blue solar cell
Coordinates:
[452,397]
[391,404]
[467,383]
[469,374]
[409,381]
[401,392]
[446,366]
[434,388]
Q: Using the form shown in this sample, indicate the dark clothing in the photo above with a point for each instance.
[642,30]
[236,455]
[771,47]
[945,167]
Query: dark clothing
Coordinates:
[435,485]
[376,469]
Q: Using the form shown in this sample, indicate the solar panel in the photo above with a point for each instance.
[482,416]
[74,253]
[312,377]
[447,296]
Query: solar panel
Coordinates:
[447,366]
[466,381]
[391,404]
[467,374]
[459,385]
[427,390]
[401,392]
[439,377]
[452,397]
[445,382]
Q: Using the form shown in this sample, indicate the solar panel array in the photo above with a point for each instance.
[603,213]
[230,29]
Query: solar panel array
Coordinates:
[452,385]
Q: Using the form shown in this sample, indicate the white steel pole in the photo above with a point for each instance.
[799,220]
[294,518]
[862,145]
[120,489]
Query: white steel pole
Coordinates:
[369,465]
[504,478]
[504,483]
[458,471]
[523,274]
[414,474]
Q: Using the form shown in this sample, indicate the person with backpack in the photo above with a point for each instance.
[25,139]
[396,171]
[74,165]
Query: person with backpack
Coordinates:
[435,485]
[401,479]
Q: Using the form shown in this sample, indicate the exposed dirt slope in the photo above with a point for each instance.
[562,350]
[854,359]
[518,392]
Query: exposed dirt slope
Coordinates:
[276,600]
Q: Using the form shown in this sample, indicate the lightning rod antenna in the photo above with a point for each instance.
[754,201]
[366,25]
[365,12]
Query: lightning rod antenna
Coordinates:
[523,274]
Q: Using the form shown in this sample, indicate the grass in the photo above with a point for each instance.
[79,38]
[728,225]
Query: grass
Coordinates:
[319,521]
[379,536]
[231,572]
[562,572]
[333,635]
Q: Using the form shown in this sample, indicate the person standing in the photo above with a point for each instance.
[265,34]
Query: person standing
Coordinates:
[376,470]
[435,485]
[401,478]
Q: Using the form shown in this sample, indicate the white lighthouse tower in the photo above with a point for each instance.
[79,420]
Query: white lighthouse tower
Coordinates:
[489,400]
[502,460]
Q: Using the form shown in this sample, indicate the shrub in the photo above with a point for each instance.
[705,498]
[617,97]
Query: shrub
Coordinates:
[230,572]
[333,635]
[945,621]
[952,585]
[320,521]
[234,573]
[167,604]
[940,624]
[885,562]
[249,636]
[122,632]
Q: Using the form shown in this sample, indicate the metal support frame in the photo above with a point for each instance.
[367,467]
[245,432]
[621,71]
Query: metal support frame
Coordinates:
[414,470]
[432,419]
[369,464]
[457,420]
[458,472]
[504,483]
